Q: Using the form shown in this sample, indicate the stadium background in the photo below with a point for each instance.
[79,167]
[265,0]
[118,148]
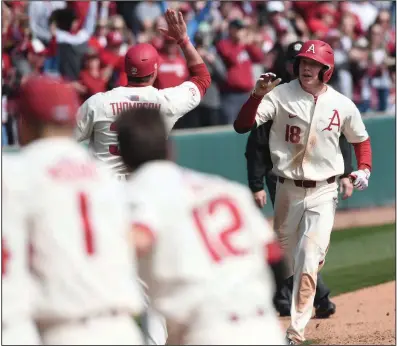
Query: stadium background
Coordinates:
[362,34]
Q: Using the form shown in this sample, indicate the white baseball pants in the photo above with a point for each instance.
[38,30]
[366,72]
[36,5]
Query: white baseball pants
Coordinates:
[303,221]
[107,330]
[20,333]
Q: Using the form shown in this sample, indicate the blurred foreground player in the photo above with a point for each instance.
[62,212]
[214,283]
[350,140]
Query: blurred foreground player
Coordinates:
[98,113]
[205,248]
[79,227]
[18,289]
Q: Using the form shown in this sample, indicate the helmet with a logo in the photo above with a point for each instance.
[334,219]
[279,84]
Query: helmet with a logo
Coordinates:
[322,53]
[141,60]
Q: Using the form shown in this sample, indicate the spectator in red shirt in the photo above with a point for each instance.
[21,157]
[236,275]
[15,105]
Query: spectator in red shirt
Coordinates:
[98,41]
[172,69]
[92,78]
[238,54]
[110,55]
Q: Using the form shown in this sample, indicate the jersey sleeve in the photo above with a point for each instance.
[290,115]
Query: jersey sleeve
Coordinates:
[143,216]
[267,109]
[354,128]
[85,121]
[178,101]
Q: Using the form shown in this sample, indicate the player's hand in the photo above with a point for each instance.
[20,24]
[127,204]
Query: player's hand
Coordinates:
[176,26]
[346,188]
[360,178]
[266,83]
[260,198]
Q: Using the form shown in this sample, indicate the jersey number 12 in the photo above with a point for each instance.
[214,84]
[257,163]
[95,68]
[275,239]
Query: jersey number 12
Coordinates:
[219,242]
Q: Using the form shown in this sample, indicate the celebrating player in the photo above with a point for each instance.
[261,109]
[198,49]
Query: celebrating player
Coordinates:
[98,113]
[203,244]
[18,288]
[308,119]
[78,225]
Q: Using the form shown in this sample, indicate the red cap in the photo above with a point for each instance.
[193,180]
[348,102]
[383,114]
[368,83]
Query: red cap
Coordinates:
[114,38]
[46,99]
[141,60]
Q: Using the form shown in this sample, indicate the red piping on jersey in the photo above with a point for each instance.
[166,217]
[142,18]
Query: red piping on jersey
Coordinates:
[363,154]
[246,117]
[200,77]
[274,252]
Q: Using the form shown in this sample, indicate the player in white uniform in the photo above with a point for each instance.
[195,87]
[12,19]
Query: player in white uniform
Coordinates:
[98,114]
[308,118]
[79,227]
[19,293]
[203,244]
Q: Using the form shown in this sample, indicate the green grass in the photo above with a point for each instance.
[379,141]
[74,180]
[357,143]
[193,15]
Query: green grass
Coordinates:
[360,257]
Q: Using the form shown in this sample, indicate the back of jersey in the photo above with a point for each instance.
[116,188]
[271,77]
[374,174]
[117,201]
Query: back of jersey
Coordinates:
[18,290]
[209,251]
[98,114]
[80,234]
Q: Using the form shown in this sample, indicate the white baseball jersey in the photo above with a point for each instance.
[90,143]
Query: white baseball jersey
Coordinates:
[98,113]
[80,229]
[304,137]
[19,292]
[209,243]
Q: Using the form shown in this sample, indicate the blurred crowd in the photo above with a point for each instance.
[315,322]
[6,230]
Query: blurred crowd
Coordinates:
[83,42]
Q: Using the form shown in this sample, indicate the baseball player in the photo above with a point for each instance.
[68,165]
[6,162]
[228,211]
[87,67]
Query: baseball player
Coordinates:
[19,293]
[98,113]
[308,118]
[259,165]
[79,227]
[202,244]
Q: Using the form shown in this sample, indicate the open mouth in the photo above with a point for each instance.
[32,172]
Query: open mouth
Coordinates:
[307,75]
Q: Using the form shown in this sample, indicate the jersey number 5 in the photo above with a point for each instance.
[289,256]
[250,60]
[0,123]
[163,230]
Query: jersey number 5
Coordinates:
[219,242]
[113,148]
[292,134]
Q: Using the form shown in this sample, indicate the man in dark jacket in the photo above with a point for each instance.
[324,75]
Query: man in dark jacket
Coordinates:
[259,166]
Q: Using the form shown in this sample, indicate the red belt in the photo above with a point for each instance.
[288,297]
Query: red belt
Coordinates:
[307,184]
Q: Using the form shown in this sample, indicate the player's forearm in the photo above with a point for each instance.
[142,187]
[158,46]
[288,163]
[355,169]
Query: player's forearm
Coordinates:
[191,55]
[245,120]
[346,150]
[363,153]
[199,73]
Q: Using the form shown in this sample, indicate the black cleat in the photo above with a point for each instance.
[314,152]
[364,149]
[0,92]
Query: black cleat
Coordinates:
[325,309]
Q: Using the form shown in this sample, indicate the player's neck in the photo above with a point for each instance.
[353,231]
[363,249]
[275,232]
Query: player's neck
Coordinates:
[315,90]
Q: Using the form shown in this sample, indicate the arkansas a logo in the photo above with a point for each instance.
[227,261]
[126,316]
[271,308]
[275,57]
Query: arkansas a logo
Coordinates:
[334,121]
[311,49]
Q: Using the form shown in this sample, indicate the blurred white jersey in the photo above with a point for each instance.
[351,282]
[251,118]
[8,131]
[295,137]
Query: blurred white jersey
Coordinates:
[209,253]
[19,292]
[97,115]
[80,230]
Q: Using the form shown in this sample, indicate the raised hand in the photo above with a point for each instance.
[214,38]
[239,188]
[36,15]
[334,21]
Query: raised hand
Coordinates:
[176,26]
[266,83]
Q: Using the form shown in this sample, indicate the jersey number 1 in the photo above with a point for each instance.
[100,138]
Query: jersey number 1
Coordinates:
[88,231]
[219,243]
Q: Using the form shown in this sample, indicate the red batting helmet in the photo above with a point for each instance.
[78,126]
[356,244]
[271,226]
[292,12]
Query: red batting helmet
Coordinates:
[318,51]
[46,99]
[141,60]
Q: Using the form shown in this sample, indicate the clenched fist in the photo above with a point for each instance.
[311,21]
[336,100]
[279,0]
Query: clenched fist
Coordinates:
[265,83]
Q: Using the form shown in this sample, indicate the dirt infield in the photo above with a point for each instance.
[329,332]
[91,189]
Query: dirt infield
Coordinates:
[364,317]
